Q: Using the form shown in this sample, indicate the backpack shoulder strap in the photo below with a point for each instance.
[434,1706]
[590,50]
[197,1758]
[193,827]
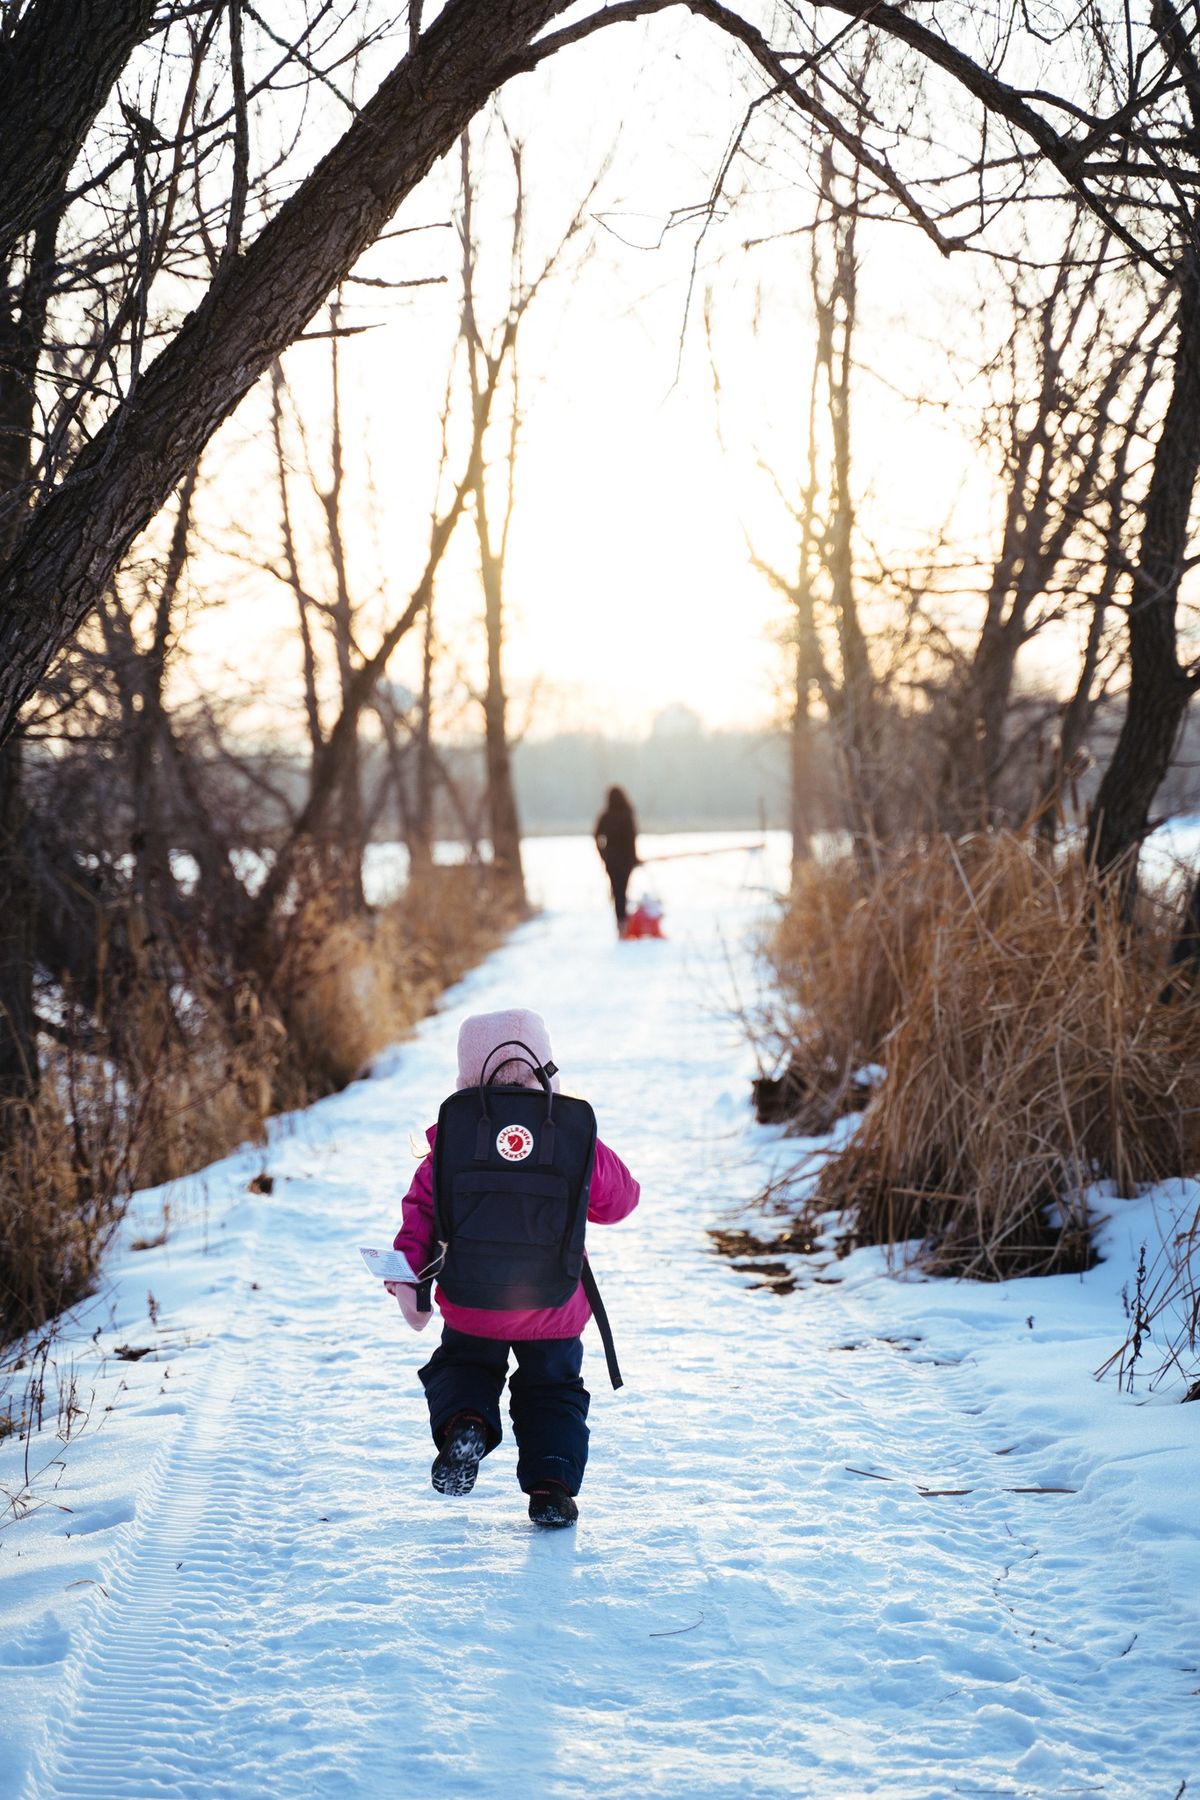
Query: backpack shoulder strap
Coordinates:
[602,1324]
[432,1269]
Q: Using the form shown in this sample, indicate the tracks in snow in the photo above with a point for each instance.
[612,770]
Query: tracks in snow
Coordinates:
[153,1647]
[738,1617]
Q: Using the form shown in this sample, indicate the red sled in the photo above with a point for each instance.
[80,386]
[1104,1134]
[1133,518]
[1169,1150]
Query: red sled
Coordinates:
[645,921]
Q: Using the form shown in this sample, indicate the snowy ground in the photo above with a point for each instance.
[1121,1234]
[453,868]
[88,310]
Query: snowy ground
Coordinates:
[867,1538]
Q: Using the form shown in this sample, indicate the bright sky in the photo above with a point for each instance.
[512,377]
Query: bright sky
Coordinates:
[629,586]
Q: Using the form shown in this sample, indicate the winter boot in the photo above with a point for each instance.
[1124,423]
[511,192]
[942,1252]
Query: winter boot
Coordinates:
[550,1504]
[457,1462]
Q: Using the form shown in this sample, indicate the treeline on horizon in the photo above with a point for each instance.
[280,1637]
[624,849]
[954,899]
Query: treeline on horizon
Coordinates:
[680,776]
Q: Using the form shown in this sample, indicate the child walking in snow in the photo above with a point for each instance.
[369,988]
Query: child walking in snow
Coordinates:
[464,1378]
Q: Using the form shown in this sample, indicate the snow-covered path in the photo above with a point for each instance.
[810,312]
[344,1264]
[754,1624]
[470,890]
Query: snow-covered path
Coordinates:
[770,1592]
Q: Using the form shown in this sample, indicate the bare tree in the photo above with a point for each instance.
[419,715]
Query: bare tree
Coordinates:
[331,612]
[832,658]
[505,828]
[326,607]
[1102,108]
[491,360]
[59,61]
[1111,110]
[259,297]
[1117,117]
[1072,380]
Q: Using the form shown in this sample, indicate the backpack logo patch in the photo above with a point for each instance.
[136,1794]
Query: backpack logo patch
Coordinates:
[515,1143]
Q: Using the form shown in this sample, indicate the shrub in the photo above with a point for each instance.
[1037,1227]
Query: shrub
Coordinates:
[348,987]
[64,1177]
[1029,1050]
[843,953]
[174,1070]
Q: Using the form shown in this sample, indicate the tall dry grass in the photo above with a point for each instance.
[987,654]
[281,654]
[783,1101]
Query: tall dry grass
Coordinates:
[188,1064]
[1028,1047]
[180,1081]
[845,952]
[349,987]
[64,1175]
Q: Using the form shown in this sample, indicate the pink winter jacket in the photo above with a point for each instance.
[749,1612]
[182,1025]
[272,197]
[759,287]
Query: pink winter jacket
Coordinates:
[612,1196]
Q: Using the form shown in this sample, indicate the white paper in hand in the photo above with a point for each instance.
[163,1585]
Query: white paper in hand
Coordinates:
[389,1265]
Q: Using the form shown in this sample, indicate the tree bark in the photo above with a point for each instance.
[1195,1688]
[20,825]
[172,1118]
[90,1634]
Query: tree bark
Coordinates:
[1159,689]
[855,710]
[1073,728]
[349,823]
[260,302]
[151,825]
[800,758]
[421,826]
[22,326]
[503,823]
[56,72]
[18,1031]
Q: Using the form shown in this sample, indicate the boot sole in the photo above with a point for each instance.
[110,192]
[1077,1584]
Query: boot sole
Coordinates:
[457,1465]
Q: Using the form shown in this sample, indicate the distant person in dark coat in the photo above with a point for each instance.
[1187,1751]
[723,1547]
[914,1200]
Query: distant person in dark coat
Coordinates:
[616,840]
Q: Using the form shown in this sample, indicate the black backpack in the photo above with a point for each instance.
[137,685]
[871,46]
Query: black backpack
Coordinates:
[512,1167]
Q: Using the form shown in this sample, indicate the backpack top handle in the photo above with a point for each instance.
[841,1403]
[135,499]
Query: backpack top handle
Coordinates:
[543,1073]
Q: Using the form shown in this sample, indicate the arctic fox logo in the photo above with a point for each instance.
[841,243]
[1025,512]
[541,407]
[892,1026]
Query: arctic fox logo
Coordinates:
[514,1143]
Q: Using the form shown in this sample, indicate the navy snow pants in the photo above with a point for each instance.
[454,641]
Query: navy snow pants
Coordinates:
[548,1402]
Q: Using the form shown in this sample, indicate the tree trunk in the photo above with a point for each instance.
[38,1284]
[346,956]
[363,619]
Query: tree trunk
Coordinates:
[18,1033]
[1185,951]
[1159,689]
[1072,734]
[22,326]
[855,713]
[800,746]
[151,822]
[421,841]
[56,72]
[503,823]
[348,833]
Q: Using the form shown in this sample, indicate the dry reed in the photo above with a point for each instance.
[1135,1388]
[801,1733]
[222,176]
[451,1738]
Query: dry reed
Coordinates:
[64,1178]
[844,952]
[352,986]
[1030,1053]
[185,1068]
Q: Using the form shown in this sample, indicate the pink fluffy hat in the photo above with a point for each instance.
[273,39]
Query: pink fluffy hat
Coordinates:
[482,1033]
